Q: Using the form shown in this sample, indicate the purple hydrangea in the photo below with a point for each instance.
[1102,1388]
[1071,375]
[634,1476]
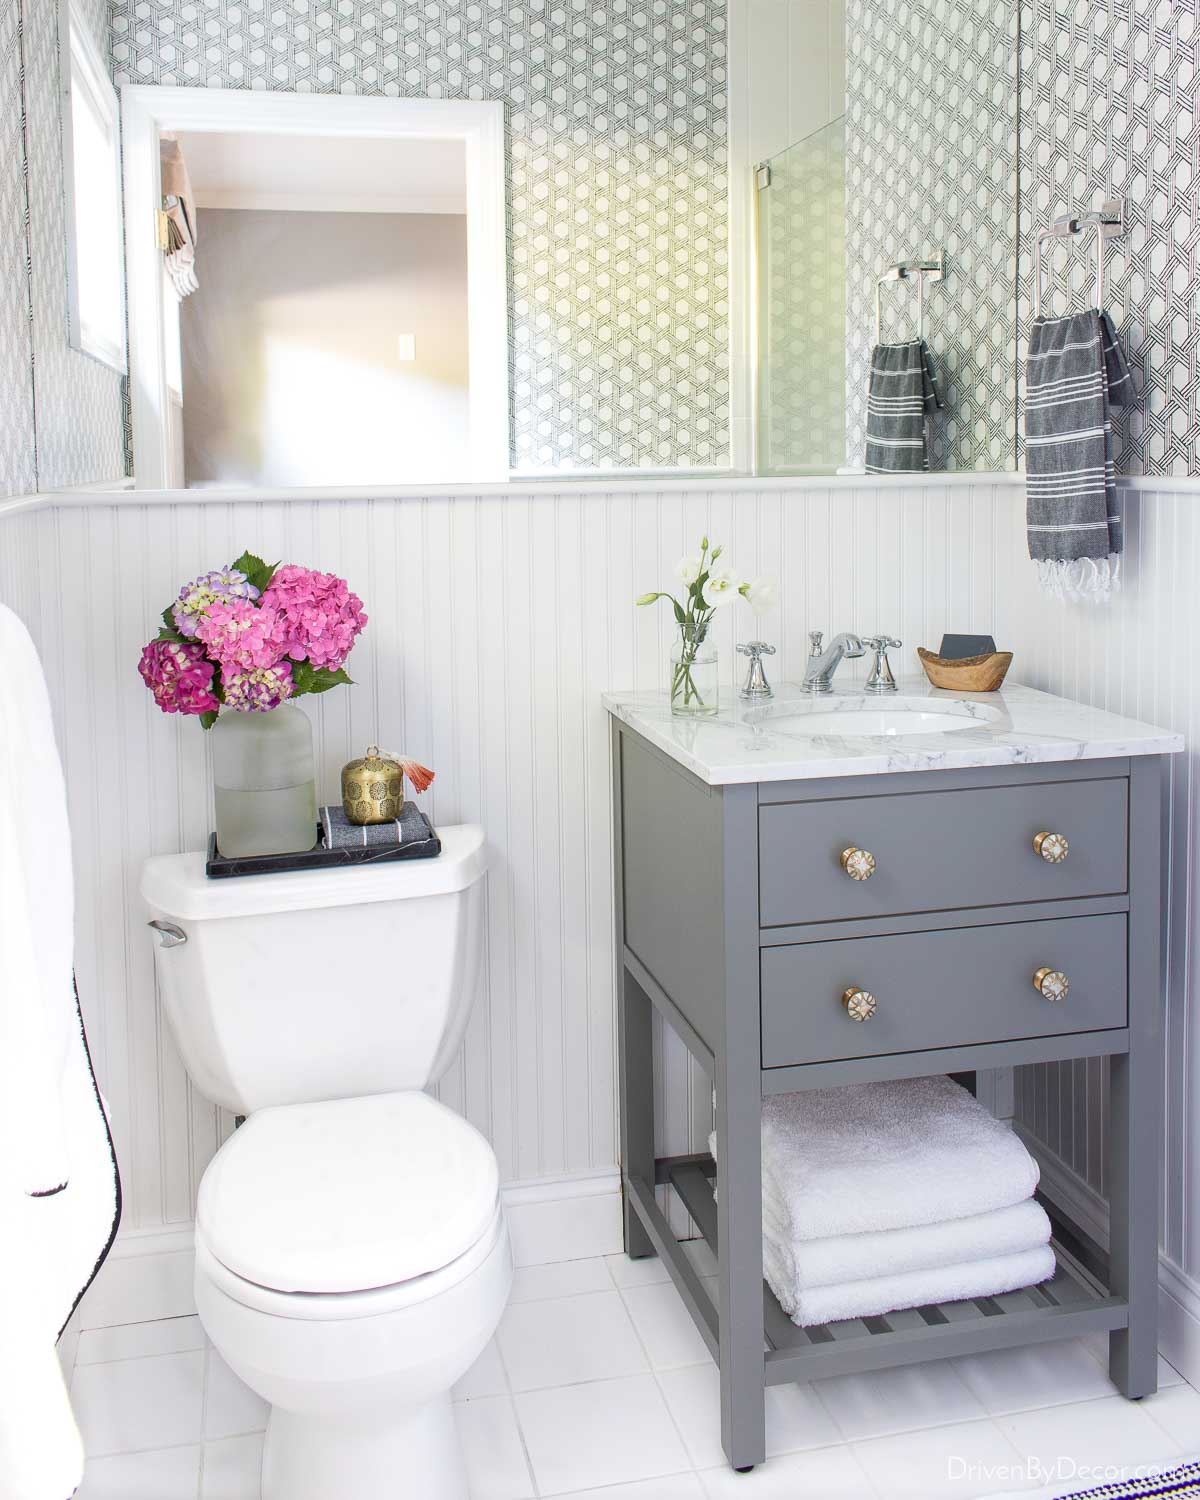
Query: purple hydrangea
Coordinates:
[195,598]
[258,689]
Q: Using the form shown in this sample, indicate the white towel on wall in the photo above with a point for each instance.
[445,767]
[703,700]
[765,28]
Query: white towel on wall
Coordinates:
[804,1265]
[888,1156]
[883,1294]
[59,1189]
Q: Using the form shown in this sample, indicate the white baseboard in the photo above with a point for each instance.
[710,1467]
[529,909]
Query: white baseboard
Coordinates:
[1178,1293]
[148,1274]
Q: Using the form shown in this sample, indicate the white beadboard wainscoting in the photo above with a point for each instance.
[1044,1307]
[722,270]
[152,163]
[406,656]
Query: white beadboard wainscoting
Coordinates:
[496,620]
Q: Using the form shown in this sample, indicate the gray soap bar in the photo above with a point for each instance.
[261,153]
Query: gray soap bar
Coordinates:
[956,647]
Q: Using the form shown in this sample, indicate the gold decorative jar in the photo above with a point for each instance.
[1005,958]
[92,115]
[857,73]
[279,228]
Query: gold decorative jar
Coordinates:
[372,788]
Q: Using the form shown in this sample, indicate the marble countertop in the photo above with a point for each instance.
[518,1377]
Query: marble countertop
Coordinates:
[1016,726]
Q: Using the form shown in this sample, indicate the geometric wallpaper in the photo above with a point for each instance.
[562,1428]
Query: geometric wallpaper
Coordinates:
[616,139]
[77,400]
[18,470]
[1110,107]
[616,164]
[60,412]
[931,153]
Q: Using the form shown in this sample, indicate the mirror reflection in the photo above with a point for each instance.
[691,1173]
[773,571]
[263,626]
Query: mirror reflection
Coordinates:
[886,243]
[323,336]
[799,258]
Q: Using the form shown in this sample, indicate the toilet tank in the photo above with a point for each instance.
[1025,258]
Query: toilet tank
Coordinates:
[310,985]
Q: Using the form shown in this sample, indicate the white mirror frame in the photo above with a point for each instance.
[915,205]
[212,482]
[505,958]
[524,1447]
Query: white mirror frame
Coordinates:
[81,67]
[147,111]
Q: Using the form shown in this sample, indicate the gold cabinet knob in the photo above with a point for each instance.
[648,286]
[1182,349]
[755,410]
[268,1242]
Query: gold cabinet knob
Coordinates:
[1051,984]
[1053,847]
[859,864]
[860,1004]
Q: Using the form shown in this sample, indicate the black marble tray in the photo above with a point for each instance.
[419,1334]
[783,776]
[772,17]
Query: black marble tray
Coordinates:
[218,867]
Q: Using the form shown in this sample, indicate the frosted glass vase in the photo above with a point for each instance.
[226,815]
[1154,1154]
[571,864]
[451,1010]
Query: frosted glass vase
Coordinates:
[266,792]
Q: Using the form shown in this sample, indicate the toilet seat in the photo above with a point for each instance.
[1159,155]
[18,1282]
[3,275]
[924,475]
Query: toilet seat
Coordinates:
[347,1197]
[345,1307]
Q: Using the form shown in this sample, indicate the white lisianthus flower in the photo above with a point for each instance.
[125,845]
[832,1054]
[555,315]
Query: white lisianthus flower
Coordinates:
[760,595]
[723,587]
[688,568]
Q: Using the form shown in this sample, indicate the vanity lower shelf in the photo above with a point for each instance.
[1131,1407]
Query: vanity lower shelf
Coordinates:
[1073,1303]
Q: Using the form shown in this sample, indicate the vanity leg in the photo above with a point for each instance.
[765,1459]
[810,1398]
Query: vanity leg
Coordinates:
[740,1273]
[635,1051]
[1135,1104]
[738,1079]
[1134,1140]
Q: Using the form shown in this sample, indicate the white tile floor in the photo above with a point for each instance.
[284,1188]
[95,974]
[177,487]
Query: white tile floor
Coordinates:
[598,1387]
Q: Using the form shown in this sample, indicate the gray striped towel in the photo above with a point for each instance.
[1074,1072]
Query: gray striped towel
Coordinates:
[901,392]
[1075,374]
[338,832]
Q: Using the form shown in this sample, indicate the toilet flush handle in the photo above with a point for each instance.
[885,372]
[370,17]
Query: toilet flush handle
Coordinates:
[169,936]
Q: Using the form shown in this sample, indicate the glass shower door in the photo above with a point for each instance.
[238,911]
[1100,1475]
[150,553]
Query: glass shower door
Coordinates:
[802,306]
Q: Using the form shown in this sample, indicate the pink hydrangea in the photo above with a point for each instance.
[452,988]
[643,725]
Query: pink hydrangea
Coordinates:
[318,616]
[242,637]
[180,676]
[259,689]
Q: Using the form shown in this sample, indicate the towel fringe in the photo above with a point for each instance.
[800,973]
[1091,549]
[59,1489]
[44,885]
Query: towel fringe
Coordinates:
[1084,580]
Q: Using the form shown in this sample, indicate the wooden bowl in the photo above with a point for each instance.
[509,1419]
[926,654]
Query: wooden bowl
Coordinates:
[967,674]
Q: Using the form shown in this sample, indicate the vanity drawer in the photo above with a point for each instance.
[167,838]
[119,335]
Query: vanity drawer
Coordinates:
[935,851]
[953,988]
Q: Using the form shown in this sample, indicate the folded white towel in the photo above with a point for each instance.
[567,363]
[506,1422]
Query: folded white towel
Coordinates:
[893,1155]
[806,1264]
[883,1294]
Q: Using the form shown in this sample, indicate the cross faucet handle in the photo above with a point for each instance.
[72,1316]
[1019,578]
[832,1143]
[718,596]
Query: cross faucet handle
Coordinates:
[880,679]
[756,687]
[816,639]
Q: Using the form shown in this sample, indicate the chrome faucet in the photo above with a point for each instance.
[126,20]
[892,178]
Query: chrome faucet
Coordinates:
[823,663]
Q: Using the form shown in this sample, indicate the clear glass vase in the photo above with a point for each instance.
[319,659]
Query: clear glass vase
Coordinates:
[693,674]
[266,791]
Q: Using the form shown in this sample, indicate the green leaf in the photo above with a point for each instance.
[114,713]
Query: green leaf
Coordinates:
[207,720]
[258,572]
[309,679]
[169,633]
[679,614]
[168,618]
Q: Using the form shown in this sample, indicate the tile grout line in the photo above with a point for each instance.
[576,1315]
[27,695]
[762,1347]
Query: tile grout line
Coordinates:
[516,1415]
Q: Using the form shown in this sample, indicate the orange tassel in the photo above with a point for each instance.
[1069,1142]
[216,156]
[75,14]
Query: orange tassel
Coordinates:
[420,776]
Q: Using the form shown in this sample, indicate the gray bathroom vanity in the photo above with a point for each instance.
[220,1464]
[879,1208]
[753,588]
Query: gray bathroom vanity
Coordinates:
[826,891]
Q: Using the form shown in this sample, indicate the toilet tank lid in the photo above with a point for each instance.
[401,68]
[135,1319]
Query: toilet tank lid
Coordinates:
[348,1195]
[176,885]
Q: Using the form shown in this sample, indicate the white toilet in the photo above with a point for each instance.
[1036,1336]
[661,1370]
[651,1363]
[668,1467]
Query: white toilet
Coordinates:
[352,1259]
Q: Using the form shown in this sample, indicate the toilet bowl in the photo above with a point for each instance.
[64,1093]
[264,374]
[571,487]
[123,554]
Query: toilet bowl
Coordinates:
[352,1262]
[352,1258]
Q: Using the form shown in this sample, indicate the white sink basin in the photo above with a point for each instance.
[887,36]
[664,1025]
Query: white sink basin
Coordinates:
[872,718]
